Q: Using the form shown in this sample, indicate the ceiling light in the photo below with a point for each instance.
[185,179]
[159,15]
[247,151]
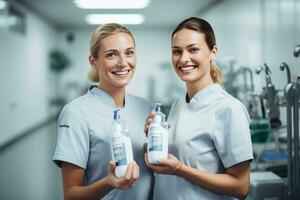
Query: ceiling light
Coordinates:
[111,4]
[3,5]
[115,18]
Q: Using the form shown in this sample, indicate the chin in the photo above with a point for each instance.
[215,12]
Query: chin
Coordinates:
[187,78]
[122,83]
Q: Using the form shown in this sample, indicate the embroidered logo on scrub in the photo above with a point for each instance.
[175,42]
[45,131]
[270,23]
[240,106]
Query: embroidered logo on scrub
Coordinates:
[64,126]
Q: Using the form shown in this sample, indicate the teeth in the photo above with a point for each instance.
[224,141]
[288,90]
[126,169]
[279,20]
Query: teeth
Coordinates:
[186,68]
[121,72]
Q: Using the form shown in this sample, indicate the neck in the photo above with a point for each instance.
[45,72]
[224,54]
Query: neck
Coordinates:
[196,86]
[117,93]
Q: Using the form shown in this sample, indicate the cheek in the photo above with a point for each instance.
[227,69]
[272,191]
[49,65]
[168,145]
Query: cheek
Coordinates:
[174,60]
[132,62]
[105,66]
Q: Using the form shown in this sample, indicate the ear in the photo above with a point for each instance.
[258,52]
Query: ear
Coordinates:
[92,61]
[213,53]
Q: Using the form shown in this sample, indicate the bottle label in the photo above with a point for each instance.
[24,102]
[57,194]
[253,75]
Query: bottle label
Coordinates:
[155,139]
[119,151]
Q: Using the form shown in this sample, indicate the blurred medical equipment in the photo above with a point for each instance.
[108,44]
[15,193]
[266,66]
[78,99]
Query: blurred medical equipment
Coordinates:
[267,185]
[292,95]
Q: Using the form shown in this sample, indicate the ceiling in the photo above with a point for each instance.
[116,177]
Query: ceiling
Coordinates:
[160,13]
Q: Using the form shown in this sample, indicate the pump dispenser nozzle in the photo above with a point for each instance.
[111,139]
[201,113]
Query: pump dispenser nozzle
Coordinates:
[117,125]
[157,107]
[116,114]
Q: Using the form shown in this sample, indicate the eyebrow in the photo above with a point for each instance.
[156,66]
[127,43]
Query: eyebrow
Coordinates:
[187,46]
[130,48]
[114,50]
[110,50]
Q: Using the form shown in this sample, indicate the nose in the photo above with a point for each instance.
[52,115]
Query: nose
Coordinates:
[122,61]
[185,57]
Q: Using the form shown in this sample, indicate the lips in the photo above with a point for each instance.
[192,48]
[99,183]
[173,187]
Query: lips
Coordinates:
[121,73]
[187,69]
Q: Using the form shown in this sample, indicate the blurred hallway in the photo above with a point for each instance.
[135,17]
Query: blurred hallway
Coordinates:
[26,169]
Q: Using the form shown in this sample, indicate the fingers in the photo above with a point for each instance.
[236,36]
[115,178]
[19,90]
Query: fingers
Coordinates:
[171,156]
[135,174]
[157,168]
[128,172]
[164,166]
[146,158]
[145,147]
[111,167]
[148,121]
[163,162]
[151,166]
[130,177]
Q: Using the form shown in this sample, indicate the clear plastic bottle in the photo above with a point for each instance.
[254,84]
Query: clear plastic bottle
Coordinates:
[120,144]
[157,147]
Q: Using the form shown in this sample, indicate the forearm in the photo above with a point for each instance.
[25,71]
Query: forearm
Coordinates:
[220,183]
[95,191]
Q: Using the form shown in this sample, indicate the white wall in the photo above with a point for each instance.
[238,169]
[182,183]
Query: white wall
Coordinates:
[24,76]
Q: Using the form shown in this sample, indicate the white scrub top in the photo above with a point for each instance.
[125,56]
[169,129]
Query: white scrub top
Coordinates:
[210,133]
[84,129]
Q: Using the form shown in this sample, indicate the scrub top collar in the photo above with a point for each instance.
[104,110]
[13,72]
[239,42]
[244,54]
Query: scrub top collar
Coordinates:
[204,96]
[104,97]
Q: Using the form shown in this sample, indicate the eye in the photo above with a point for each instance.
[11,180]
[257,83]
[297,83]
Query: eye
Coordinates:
[130,53]
[194,50]
[176,52]
[111,55]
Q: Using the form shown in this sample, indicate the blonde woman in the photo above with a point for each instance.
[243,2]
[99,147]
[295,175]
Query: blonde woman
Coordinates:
[209,139]
[84,125]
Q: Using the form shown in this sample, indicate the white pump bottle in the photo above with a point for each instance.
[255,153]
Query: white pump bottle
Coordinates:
[120,144]
[157,147]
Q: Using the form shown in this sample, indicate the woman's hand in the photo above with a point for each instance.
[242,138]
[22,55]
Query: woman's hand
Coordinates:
[128,180]
[148,121]
[165,166]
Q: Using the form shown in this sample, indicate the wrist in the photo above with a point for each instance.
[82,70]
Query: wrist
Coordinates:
[108,182]
[178,168]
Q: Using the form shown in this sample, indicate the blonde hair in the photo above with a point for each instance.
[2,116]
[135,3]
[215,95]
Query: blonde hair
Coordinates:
[216,74]
[202,26]
[99,34]
[93,75]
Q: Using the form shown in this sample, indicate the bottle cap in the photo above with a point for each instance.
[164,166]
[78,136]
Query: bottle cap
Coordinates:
[157,107]
[116,114]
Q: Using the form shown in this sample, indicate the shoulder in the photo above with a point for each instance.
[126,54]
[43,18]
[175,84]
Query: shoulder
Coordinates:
[75,107]
[229,105]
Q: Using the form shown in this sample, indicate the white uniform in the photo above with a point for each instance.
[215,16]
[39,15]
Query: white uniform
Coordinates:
[84,129]
[210,133]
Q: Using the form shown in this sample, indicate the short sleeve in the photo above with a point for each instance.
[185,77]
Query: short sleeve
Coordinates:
[231,135]
[73,138]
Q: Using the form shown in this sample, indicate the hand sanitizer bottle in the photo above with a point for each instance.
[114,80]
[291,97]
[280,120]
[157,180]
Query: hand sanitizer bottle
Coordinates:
[157,147]
[120,144]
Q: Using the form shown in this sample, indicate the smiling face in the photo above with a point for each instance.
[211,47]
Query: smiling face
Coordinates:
[116,60]
[191,57]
